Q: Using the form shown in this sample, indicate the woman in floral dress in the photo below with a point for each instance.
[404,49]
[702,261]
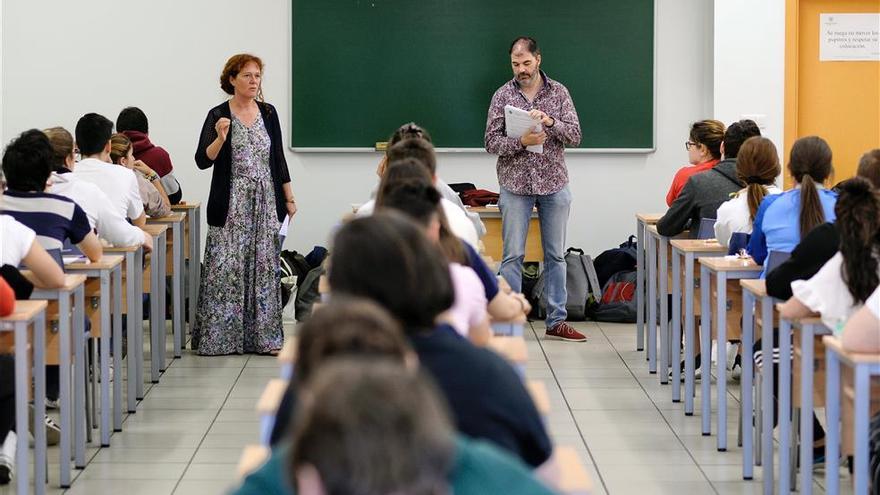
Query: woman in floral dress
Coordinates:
[239,309]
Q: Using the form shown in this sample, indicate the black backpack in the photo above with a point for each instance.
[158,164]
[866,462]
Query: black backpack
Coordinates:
[615,260]
[307,294]
[293,264]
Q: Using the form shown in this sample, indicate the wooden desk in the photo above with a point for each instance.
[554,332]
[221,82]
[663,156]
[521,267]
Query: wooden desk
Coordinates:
[658,251]
[723,269]
[864,367]
[493,240]
[193,240]
[30,314]
[70,301]
[538,391]
[287,358]
[513,349]
[511,328]
[104,282]
[573,477]
[154,283]
[175,269]
[642,221]
[267,407]
[689,250]
[133,291]
[251,459]
[758,435]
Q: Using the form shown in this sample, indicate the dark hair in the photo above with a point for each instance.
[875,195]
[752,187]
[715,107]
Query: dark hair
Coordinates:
[869,167]
[416,148]
[757,166]
[709,133]
[347,326]
[736,134]
[27,161]
[407,168]
[62,146]
[92,133]
[387,258]
[132,119]
[858,222]
[410,130]
[419,199]
[810,162]
[525,42]
[371,427]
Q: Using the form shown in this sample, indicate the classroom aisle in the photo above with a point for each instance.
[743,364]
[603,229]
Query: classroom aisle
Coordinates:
[188,434]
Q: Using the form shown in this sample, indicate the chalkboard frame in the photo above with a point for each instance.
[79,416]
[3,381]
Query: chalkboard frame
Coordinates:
[466,150]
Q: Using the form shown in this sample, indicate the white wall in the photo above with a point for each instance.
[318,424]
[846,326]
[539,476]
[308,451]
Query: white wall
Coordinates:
[63,59]
[750,63]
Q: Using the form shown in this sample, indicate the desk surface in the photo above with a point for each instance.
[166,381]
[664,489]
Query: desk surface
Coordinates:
[186,206]
[25,311]
[511,348]
[172,218]
[107,262]
[725,264]
[155,229]
[70,281]
[757,286]
[121,249]
[493,211]
[834,343]
[649,218]
[698,246]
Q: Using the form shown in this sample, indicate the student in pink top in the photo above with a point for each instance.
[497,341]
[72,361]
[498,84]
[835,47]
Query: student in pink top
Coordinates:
[406,188]
[704,152]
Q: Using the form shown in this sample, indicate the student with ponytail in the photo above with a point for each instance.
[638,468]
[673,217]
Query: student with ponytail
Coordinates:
[809,201]
[757,166]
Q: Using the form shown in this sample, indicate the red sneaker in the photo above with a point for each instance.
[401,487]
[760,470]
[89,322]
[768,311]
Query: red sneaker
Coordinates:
[564,331]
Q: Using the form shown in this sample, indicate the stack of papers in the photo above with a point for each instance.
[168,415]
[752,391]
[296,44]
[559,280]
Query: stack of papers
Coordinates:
[517,123]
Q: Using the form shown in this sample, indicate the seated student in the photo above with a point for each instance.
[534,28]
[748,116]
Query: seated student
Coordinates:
[350,328]
[420,201]
[704,152]
[757,166]
[704,192]
[783,219]
[93,133]
[27,164]
[132,122]
[422,150]
[820,244]
[415,287]
[107,222]
[861,334]
[156,203]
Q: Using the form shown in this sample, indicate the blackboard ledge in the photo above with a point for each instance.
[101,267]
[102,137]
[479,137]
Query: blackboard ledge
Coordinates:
[592,151]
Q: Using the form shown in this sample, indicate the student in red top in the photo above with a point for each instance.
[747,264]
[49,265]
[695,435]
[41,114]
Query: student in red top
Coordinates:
[704,152]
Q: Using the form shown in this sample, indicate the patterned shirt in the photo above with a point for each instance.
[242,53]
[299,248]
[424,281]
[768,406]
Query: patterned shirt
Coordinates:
[521,171]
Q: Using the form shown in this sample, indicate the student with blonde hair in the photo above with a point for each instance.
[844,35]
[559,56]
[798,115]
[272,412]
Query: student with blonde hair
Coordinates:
[156,203]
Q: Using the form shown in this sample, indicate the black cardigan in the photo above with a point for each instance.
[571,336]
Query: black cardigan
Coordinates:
[814,250]
[221,180]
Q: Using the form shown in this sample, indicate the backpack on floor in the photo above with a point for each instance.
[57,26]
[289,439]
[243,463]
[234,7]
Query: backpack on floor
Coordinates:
[294,268]
[618,302]
[615,260]
[581,285]
[307,294]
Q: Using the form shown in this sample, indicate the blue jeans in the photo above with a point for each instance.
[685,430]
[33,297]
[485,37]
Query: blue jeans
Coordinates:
[516,211]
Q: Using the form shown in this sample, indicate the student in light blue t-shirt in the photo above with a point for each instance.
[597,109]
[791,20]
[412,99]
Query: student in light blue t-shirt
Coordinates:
[783,219]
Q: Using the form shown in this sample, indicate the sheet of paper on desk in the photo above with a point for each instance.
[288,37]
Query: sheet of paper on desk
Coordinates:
[68,259]
[518,123]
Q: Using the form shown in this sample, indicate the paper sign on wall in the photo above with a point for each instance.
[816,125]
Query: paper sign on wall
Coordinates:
[849,37]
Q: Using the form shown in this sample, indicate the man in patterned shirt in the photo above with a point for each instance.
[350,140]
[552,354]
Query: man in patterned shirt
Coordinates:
[530,179]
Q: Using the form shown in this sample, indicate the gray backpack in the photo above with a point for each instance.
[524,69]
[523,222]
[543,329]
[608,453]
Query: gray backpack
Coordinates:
[581,284]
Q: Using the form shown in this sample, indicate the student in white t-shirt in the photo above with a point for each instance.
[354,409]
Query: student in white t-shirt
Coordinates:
[862,330]
[93,133]
[757,165]
[849,278]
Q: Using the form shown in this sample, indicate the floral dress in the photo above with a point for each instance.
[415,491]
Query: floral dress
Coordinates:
[240,299]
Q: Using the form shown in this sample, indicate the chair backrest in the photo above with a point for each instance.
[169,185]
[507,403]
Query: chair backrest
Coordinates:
[776,258]
[707,228]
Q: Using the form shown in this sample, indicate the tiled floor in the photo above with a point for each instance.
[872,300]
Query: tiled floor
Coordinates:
[188,433]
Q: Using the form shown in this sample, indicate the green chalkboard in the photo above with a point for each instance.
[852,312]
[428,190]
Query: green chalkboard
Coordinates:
[363,67]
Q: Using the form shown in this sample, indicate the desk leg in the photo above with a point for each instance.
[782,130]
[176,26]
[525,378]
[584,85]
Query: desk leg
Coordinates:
[197,240]
[117,348]
[80,373]
[861,428]
[706,350]
[177,290]
[21,407]
[663,279]
[131,321]
[721,360]
[40,404]
[676,327]
[806,452]
[832,423]
[64,324]
[784,414]
[192,287]
[689,379]
[640,286]
[652,305]
[163,324]
[106,331]
[767,393]
[746,384]
[139,323]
